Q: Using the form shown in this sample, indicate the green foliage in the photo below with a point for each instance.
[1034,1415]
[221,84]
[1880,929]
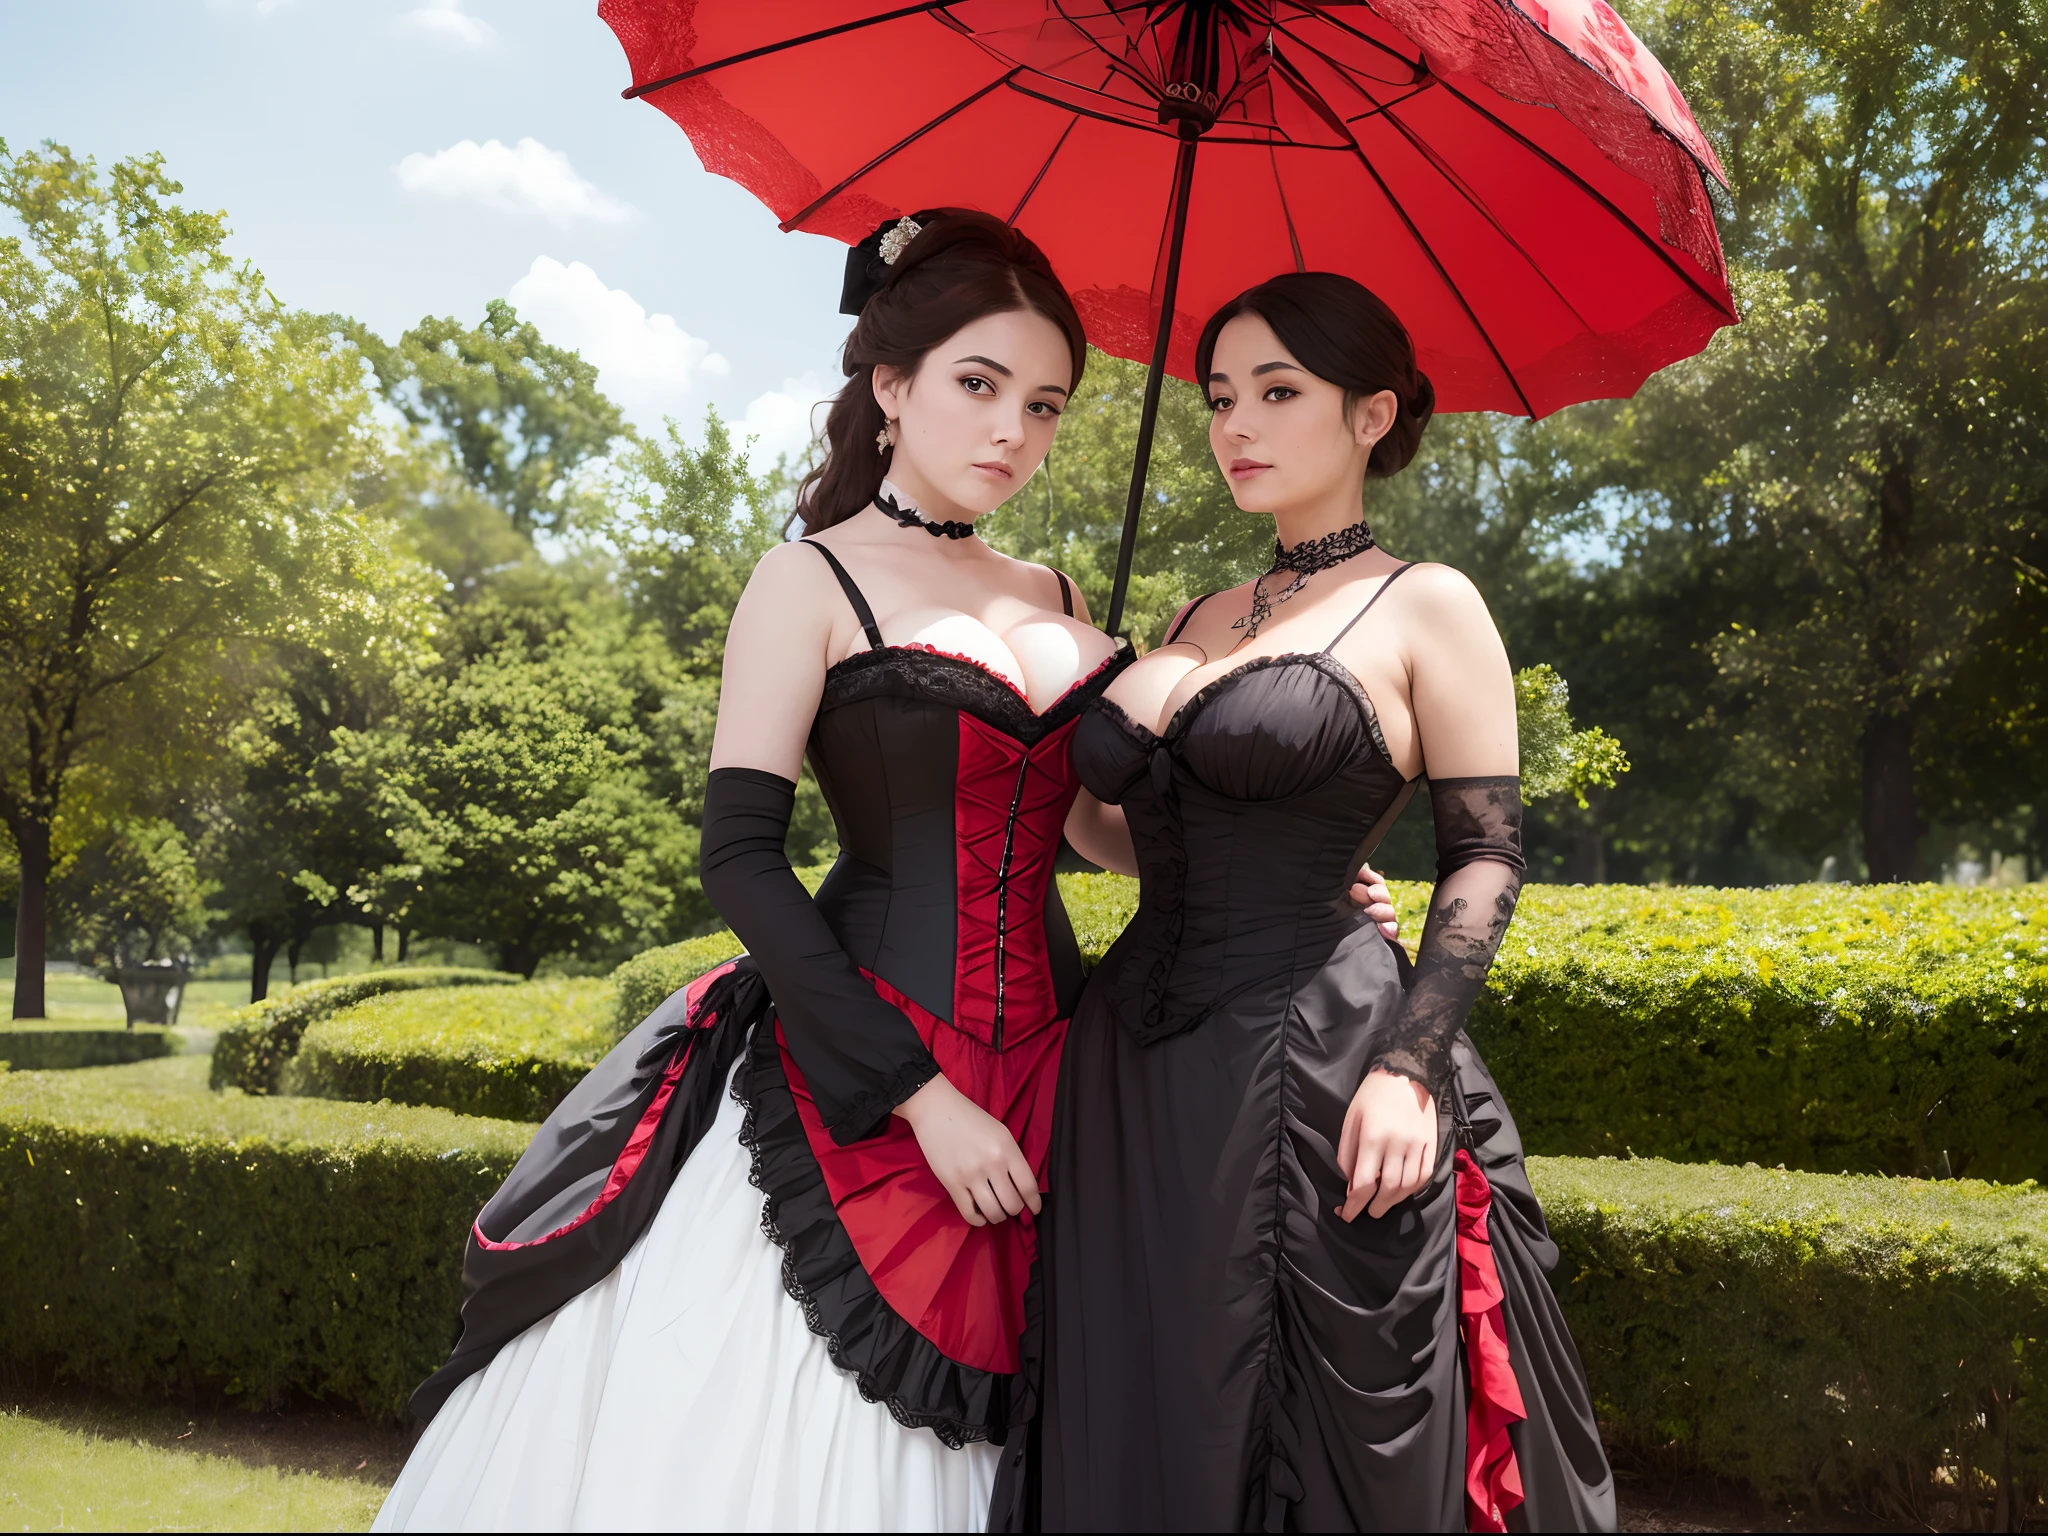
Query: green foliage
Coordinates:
[1888,1029]
[1808,1334]
[640,985]
[253,1047]
[155,1238]
[511,1053]
[1100,906]
[48,1050]
[1891,1029]
[522,418]
[1556,758]
[1819,1338]
[174,454]
[136,895]
[524,788]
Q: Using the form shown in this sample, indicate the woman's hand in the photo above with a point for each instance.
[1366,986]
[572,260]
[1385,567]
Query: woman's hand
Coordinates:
[1369,891]
[1388,1149]
[972,1152]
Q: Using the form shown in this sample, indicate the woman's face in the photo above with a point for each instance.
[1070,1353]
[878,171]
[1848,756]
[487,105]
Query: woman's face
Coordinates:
[977,418]
[1282,436]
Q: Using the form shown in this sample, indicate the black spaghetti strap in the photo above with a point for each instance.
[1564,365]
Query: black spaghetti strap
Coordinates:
[1066,592]
[1398,572]
[1186,614]
[861,610]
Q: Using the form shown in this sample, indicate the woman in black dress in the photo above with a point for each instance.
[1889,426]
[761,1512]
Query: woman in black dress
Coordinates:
[1294,1271]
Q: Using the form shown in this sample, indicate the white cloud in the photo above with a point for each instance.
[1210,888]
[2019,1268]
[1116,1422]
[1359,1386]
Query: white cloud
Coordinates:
[781,421]
[445,21]
[647,363]
[526,178]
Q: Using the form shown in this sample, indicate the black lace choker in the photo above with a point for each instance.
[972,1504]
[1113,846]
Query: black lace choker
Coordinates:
[1305,559]
[910,517]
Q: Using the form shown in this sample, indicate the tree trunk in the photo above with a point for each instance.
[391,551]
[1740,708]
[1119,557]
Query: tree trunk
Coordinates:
[1891,820]
[291,955]
[262,951]
[404,944]
[31,918]
[1585,857]
[377,943]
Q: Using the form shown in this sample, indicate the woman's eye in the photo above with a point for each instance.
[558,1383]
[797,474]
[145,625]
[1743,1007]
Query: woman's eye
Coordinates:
[1281,392]
[1043,408]
[1221,403]
[975,384]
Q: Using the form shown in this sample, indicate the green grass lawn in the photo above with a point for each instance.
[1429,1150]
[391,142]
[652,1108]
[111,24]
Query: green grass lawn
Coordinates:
[89,1003]
[57,1478]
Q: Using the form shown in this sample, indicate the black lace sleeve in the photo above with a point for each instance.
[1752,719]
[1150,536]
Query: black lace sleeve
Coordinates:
[860,1057]
[1478,876]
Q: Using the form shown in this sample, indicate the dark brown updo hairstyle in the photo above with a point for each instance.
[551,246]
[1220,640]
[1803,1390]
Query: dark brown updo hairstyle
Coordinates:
[962,267]
[1342,332]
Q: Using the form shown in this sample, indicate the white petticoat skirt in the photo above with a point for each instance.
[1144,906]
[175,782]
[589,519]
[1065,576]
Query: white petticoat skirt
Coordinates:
[683,1392]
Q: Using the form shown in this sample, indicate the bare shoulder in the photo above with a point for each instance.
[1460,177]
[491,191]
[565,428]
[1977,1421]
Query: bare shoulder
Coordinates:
[789,570]
[1442,593]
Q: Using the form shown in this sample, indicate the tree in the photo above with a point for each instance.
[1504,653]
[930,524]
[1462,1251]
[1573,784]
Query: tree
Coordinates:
[1886,461]
[522,786]
[138,895]
[173,444]
[523,418]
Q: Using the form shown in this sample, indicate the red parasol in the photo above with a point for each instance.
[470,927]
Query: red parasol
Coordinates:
[1521,181]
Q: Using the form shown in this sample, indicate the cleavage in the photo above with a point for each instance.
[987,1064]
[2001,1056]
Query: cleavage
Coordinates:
[1040,658]
[1139,697]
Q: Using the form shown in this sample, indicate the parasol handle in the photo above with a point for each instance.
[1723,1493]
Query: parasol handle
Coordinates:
[1155,377]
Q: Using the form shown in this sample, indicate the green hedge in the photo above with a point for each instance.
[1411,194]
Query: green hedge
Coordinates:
[1884,1029]
[640,985]
[1887,1029]
[55,1050]
[258,1040]
[508,1052]
[155,1237]
[1811,1335]
[1814,1336]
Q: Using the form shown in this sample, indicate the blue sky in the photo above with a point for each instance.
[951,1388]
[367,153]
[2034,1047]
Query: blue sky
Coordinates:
[396,158]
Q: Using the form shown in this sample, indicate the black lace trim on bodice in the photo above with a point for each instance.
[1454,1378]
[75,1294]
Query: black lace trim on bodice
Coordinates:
[961,683]
[891,1362]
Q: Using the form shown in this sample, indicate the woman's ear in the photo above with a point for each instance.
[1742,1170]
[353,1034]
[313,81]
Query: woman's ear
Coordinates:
[1372,418]
[891,384]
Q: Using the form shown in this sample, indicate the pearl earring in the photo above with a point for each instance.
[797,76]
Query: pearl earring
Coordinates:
[884,439]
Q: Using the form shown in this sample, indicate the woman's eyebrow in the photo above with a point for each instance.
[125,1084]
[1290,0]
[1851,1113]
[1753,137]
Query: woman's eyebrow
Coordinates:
[987,362]
[1276,368]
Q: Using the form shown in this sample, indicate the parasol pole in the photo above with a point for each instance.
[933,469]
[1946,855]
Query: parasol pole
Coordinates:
[1155,377]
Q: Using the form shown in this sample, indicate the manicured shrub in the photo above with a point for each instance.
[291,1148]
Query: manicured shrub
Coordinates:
[53,1050]
[258,1040]
[155,1237]
[1892,1029]
[507,1052]
[639,985]
[1885,1029]
[1814,1336]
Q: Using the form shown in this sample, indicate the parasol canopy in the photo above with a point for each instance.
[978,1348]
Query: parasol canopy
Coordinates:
[1521,181]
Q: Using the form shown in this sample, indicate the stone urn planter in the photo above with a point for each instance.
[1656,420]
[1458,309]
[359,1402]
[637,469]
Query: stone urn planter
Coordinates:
[152,991]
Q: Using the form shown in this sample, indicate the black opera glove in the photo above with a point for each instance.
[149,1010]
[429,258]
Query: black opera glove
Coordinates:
[859,1055]
[1478,876]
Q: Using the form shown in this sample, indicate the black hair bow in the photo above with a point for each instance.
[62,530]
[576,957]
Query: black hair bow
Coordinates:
[865,269]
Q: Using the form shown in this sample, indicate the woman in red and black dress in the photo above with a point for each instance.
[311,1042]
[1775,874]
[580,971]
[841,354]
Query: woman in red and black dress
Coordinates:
[797,1305]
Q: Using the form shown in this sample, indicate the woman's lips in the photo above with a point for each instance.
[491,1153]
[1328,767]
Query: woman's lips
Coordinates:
[996,469]
[1241,469]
